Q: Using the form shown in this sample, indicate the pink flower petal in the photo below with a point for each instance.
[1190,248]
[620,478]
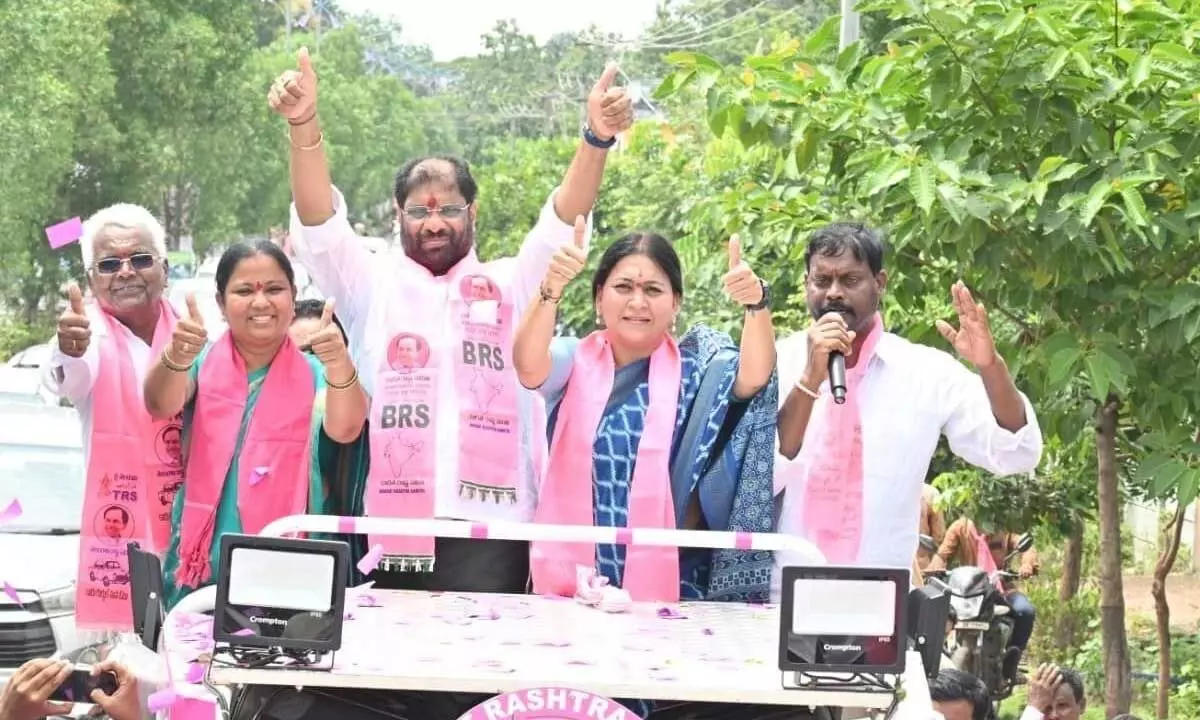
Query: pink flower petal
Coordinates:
[244,632]
[348,615]
[12,512]
[195,673]
[11,592]
[370,561]
[708,631]
[161,700]
[670,613]
[259,474]
[368,600]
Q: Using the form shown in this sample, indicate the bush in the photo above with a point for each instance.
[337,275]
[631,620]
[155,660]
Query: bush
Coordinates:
[16,336]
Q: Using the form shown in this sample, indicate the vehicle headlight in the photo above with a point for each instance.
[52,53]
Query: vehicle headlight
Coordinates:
[60,601]
[966,608]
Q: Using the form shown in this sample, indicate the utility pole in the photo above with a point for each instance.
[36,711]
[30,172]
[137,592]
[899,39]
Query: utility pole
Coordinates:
[850,24]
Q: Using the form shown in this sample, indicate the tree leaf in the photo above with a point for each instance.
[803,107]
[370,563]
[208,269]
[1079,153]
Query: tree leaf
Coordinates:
[1049,165]
[1135,206]
[1187,487]
[1062,364]
[921,186]
[1140,71]
[1173,52]
[1055,64]
[1096,198]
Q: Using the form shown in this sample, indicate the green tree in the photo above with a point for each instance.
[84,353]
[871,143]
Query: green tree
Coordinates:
[1045,153]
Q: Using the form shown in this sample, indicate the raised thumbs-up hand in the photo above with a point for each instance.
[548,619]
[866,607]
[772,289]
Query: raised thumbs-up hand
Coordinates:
[741,284]
[329,346]
[74,329]
[294,93]
[189,337]
[609,109]
[566,264]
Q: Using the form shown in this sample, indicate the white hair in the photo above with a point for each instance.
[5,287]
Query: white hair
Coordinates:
[122,215]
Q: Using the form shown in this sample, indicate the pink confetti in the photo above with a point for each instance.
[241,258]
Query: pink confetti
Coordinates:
[578,662]
[244,632]
[195,673]
[554,643]
[64,233]
[708,631]
[348,615]
[259,474]
[670,613]
[161,700]
[11,592]
[370,561]
[12,512]
[368,600]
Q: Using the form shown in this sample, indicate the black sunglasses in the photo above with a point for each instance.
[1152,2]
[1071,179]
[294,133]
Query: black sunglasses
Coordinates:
[112,265]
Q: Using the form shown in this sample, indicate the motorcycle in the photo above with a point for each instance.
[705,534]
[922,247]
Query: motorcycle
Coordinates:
[978,640]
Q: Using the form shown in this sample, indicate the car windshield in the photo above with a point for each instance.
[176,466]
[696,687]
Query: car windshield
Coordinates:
[10,397]
[48,482]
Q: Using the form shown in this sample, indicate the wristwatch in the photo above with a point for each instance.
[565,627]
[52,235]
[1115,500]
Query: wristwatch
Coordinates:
[590,138]
[766,298]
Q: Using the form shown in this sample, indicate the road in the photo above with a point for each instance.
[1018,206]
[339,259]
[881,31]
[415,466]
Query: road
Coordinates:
[1183,595]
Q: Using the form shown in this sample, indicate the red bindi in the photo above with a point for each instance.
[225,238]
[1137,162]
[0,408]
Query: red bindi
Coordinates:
[431,202]
[258,287]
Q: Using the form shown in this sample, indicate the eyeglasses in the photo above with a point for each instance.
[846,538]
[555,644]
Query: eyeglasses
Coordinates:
[113,265]
[448,212]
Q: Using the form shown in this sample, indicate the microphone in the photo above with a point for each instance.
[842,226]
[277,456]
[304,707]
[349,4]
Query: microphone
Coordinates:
[837,372]
[837,376]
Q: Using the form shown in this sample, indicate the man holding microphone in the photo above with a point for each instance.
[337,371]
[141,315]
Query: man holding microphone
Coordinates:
[852,472]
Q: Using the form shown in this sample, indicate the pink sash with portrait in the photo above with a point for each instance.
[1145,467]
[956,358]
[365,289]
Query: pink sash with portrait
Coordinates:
[476,349]
[133,473]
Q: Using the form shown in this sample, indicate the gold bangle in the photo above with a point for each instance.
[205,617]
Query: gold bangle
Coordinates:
[342,386]
[173,366]
[305,148]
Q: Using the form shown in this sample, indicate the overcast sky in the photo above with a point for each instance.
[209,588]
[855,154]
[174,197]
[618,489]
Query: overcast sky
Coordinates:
[451,28]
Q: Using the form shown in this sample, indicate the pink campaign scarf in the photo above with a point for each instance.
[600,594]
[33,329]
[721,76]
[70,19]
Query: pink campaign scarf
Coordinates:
[833,493]
[651,573]
[983,556]
[475,349]
[132,473]
[273,467]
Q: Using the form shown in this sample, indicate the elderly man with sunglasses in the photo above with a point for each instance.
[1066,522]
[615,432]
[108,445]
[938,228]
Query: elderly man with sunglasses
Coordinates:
[99,361]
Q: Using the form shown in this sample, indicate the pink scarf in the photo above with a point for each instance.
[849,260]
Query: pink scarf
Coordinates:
[469,338]
[132,474]
[651,573]
[833,493]
[273,466]
[983,557]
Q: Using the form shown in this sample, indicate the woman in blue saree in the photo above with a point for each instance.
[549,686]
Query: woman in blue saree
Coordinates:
[698,458]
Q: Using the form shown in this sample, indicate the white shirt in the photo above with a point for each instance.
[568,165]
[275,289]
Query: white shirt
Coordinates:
[1031,713]
[74,378]
[370,303]
[910,396]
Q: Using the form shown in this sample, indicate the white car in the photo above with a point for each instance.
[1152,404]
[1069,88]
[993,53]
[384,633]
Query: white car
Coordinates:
[23,386]
[42,466]
[35,356]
